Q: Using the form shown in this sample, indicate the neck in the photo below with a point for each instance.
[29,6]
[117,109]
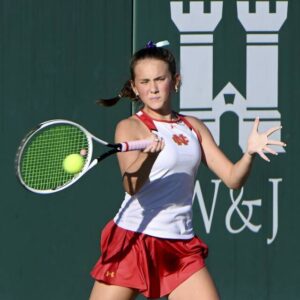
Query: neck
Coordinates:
[167,115]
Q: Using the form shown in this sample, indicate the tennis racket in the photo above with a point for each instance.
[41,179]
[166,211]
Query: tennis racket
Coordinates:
[40,156]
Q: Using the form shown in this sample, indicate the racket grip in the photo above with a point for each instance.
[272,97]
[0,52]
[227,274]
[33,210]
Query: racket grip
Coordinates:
[135,145]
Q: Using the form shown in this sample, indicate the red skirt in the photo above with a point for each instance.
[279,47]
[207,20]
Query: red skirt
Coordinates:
[153,266]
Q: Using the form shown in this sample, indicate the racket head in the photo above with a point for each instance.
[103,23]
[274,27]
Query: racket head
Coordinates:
[40,156]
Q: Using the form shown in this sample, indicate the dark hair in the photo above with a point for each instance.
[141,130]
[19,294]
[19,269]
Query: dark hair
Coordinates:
[154,52]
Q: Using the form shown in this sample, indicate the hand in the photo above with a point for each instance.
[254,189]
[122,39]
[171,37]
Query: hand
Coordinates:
[156,146]
[258,142]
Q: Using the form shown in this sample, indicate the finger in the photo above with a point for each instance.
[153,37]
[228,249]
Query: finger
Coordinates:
[153,144]
[273,129]
[256,124]
[266,148]
[148,149]
[153,139]
[153,150]
[162,144]
[156,145]
[157,141]
[278,143]
[263,156]
[156,136]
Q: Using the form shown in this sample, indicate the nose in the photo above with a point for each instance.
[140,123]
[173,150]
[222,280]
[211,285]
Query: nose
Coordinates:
[153,88]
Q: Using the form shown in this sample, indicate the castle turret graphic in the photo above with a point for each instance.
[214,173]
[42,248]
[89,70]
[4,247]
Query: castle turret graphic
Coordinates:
[196,56]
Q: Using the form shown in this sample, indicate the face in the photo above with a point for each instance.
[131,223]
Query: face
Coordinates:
[153,83]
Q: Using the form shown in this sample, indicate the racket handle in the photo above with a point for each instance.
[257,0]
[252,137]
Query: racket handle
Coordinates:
[135,145]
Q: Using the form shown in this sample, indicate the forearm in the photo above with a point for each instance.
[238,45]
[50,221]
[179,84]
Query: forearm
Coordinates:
[138,172]
[240,171]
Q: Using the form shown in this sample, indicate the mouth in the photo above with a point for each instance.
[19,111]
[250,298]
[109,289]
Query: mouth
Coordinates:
[154,98]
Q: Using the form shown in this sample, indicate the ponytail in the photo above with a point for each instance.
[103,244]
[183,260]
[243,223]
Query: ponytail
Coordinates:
[126,92]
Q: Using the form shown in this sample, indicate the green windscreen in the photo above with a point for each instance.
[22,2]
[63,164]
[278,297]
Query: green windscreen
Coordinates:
[41,163]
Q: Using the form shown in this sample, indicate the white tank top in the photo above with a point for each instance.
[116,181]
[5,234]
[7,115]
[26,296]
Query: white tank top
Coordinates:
[163,206]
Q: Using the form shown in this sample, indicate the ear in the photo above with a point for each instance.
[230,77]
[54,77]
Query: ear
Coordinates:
[177,81]
[133,87]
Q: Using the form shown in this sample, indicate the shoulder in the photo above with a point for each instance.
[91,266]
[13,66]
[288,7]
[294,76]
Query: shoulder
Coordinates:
[129,123]
[201,129]
[130,129]
[197,124]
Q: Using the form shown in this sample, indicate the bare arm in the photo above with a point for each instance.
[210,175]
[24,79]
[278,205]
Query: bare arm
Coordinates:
[136,165]
[234,175]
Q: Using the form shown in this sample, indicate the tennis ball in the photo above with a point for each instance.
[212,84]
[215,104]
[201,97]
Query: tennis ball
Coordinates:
[73,163]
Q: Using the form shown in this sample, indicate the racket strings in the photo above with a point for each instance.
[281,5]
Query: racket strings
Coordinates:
[43,156]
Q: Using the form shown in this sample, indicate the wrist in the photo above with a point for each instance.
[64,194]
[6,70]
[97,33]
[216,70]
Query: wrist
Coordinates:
[249,155]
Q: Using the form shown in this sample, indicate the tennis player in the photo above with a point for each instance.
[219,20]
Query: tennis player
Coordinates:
[150,246]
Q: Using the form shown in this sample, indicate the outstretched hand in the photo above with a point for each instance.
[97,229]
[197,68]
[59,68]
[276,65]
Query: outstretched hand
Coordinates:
[258,142]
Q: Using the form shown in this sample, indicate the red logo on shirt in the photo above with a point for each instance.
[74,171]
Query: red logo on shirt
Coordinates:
[180,139]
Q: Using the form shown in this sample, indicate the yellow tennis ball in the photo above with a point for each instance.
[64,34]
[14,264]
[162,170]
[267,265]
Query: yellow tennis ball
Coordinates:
[73,163]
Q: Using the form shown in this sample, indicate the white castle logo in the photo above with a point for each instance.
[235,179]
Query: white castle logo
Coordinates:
[196,56]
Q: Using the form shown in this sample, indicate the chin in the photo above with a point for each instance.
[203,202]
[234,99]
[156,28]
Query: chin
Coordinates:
[157,107]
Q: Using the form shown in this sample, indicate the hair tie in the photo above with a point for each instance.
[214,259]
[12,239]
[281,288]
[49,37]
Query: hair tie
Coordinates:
[150,44]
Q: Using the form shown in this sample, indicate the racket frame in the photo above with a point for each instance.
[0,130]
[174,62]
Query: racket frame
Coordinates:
[87,165]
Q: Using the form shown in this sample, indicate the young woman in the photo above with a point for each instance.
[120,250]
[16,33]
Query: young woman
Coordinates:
[150,246]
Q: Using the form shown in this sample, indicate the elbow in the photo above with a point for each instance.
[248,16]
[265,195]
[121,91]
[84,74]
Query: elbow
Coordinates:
[235,185]
[234,180]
